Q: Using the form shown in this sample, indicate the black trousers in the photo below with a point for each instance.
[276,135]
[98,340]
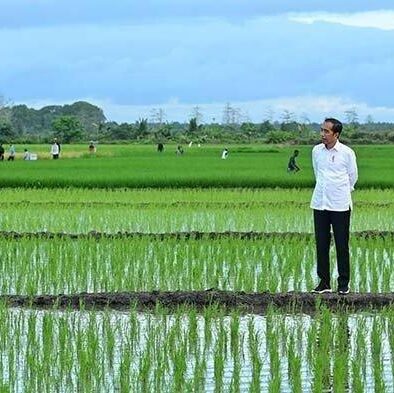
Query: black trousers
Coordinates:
[340,222]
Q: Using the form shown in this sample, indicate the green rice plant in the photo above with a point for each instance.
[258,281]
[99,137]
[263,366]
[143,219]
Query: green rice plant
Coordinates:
[188,197]
[235,379]
[389,316]
[357,379]
[52,266]
[125,372]
[219,359]
[192,331]
[376,347]
[164,361]
[197,168]
[254,348]
[322,351]
[341,354]
[294,365]
[273,345]
[171,211]
[179,361]
[199,372]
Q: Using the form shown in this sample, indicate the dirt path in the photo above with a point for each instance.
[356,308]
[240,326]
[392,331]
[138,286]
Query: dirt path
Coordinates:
[246,302]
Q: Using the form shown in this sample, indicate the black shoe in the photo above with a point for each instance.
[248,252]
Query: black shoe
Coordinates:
[322,288]
[343,290]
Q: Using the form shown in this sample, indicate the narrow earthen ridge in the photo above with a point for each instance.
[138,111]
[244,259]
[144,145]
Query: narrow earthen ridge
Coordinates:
[193,204]
[192,235]
[246,302]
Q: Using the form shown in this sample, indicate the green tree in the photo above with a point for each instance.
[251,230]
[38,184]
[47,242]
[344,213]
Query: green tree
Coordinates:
[67,129]
[292,126]
[193,127]
[141,129]
[249,130]
[123,131]
[163,133]
[266,126]
[279,136]
[352,125]
[6,131]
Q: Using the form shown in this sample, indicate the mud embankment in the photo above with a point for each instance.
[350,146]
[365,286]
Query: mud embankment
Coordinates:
[245,302]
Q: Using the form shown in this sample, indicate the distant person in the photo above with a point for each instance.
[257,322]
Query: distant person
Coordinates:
[55,149]
[160,147]
[1,152]
[11,153]
[92,147]
[292,166]
[335,169]
[224,154]
[26,155]
[179,150]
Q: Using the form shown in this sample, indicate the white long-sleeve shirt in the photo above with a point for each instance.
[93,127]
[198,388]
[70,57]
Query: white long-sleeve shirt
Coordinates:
[336,174]
[55,149]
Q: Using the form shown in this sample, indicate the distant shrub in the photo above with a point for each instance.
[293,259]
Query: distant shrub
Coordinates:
[279,137]
[390,136]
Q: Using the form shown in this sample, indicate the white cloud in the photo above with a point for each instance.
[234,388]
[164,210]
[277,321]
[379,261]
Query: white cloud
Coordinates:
[382,19]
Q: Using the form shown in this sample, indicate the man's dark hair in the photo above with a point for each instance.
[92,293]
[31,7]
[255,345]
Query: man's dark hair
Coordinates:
[336,125]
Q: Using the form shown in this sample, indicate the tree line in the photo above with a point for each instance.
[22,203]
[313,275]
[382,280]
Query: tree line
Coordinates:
[82,121]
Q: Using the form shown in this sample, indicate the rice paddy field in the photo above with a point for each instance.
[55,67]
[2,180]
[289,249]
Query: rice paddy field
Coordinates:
[227,234]
[141,166]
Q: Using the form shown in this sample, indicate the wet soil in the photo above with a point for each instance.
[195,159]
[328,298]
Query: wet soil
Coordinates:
[245,302]
[192,235]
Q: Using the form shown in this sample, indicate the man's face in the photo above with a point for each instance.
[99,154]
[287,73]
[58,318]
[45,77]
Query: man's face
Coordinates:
[328,137]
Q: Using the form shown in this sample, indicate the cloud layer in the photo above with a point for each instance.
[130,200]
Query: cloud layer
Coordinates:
[207,54]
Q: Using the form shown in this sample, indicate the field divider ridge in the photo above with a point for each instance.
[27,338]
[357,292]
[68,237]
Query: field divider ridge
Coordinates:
[248,302]
[192,235]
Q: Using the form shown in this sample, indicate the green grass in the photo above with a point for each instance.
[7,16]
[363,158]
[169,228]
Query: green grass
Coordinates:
[138,166]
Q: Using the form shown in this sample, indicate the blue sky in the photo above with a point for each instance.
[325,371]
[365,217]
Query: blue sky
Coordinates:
[313,58]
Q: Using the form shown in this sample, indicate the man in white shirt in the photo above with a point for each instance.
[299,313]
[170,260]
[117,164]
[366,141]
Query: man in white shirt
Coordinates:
[335,168]
[55,149]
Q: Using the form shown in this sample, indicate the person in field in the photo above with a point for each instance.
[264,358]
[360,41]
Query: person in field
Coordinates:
[1,152]
[335,168]
[292,165]
[160,147]
[26,155]
[179,150]
[224,154]
[11,153]
[55,149]
[92,148]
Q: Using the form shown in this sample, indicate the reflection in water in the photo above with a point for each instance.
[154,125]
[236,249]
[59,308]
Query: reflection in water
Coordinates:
[208,351]
[332,342]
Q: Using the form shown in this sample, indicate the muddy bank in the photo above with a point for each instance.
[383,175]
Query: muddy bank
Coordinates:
[192,235]
[245,302]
